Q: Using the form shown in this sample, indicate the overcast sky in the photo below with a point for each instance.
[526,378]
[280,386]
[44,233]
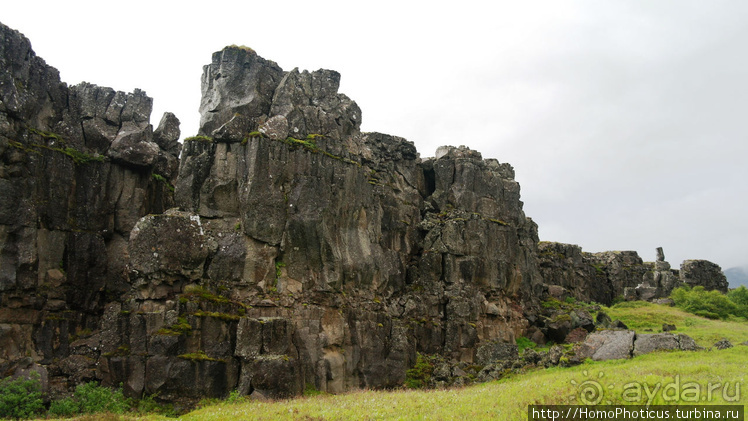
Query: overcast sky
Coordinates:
[624,120]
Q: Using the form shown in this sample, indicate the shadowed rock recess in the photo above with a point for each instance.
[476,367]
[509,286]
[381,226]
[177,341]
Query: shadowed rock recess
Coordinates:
[284,249]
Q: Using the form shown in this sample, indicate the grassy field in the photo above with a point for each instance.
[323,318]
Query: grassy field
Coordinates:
[640,315]
[704,377]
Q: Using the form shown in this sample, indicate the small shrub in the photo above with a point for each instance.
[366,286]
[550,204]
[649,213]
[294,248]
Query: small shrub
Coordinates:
[223,316]
[551,303]
[599,269]
[279,269]
[79,157]
[235,397]
[94,398]
[710,304]
[739,296]
[242,47]
[67,407]
[419,376]
[121,351]
[707,314]
[20,398]
[311,390]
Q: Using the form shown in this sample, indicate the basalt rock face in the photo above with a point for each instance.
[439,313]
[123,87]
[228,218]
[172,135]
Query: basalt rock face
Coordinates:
[309,253]
[76,174]
[298,251]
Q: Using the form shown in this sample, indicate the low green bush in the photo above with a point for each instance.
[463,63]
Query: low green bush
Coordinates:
[20,398]
[149,405]
[739,296]
[93,398]
[67,407]
[709,304]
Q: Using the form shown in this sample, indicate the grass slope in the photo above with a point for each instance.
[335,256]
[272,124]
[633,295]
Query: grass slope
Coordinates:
[508,398]
[705,377]
[640,315]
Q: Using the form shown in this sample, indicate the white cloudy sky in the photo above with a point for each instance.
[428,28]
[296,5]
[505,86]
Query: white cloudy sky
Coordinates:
[624,119]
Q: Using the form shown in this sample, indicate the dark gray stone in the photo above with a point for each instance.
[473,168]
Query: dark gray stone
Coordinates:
[496,351]
[167,134]
[607,345]
[723,344]
[703,273]
[646,343]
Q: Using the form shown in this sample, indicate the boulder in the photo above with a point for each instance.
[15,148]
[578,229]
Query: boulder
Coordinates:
[646,343]
[687,343]
[664,301]
[496,351]
[576,335]
[724,343]
[583,319]
[133,146]
[617,324]
[167,134]
[602,320]
[237,82]
[169,245]
[607,345]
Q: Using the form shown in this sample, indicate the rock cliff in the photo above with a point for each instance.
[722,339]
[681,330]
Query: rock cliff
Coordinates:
[283,249]
[80,165]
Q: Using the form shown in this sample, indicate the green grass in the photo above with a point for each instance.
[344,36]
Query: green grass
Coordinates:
[199,139]
[639,315]
[508,398]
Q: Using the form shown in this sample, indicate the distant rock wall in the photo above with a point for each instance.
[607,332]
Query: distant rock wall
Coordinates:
[604,277]
[601,277]
[703,273]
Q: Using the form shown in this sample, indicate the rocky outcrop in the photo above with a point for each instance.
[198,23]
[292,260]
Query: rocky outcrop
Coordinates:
[567,271]
[360,253]
[244,93]
[621,344]
[301,252]
[658,282]
[703,273]
[78,168]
